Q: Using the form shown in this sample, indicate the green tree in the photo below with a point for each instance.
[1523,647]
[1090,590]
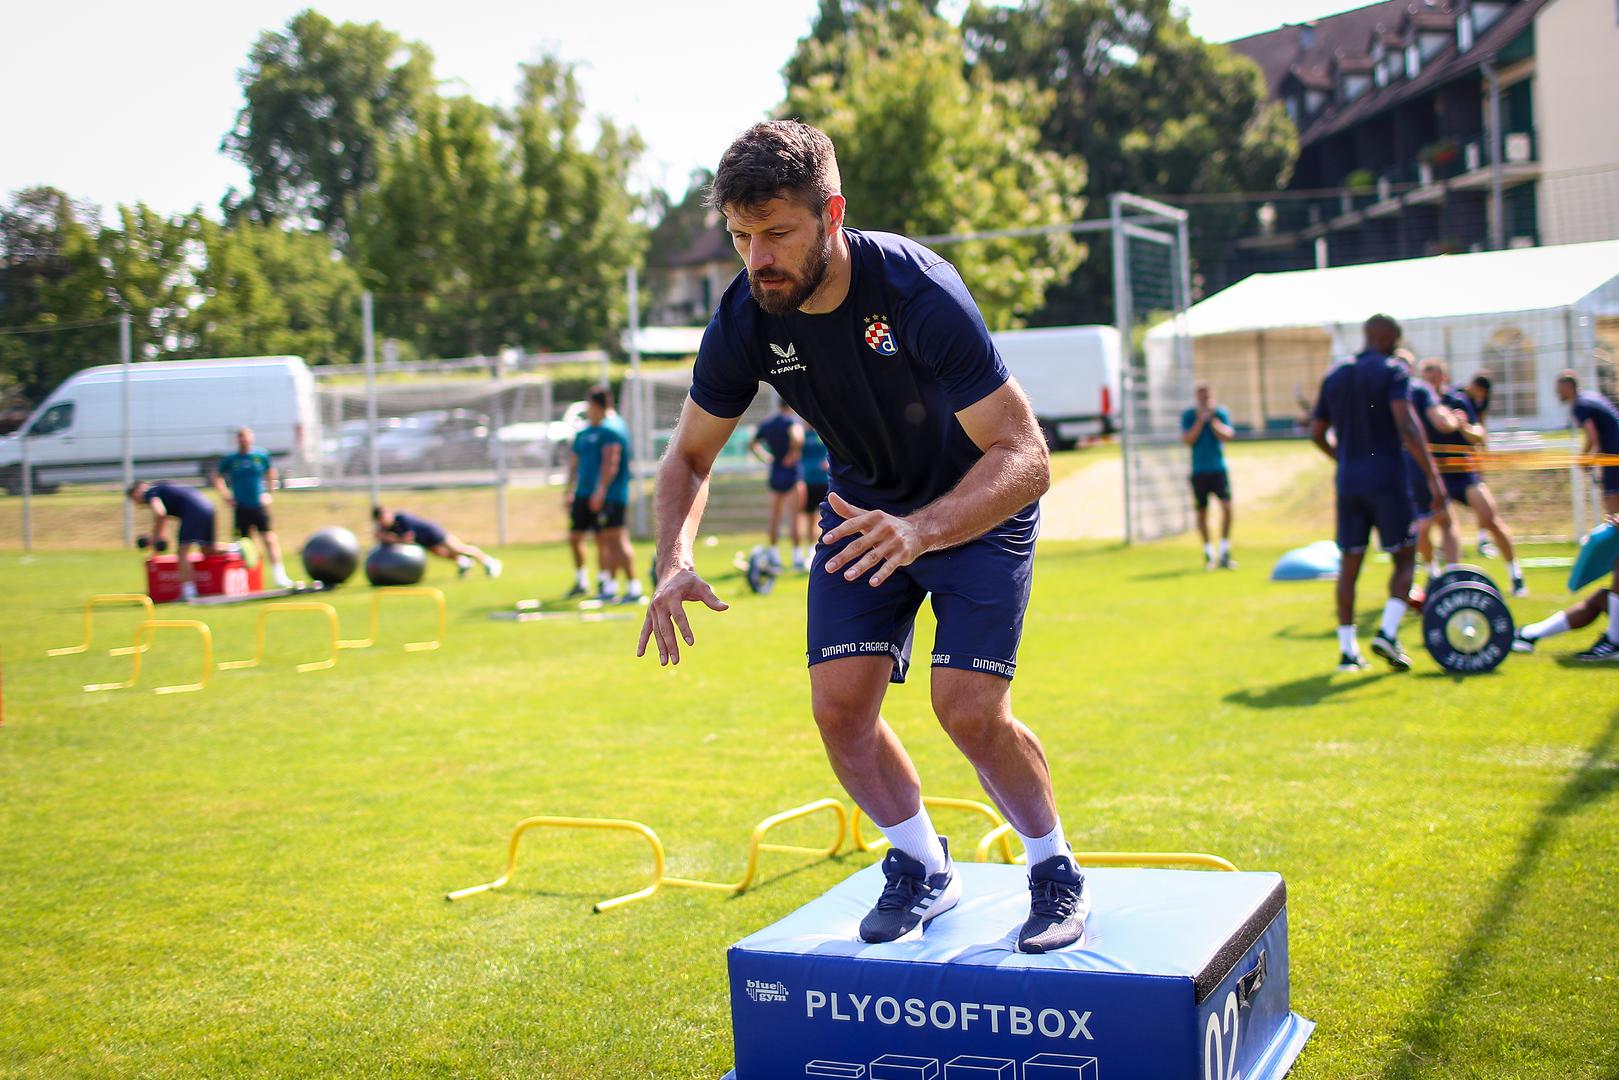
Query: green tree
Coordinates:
[1148,106]
[265,290]
[927,147]
[150,261]
[490,228]
[321,101]
[50,275]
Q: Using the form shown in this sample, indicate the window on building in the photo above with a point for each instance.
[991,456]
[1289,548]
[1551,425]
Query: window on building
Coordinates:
[54,419]
[1510,357]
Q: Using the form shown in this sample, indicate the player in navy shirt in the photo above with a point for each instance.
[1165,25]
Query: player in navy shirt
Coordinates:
[1450,420]
[399,527]
[779,443]
[1598,420]
[1365,403]
[194,515]
[936,467]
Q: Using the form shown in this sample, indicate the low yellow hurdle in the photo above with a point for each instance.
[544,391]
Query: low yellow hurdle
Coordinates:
[143,633]
[756,844]
[264,614]
[1002,834]
[1001,831]
[107,600]
[402,590]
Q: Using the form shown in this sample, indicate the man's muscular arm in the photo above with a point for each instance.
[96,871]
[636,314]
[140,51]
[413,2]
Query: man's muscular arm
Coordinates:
[682,492]
[1014,471]
[1416,444]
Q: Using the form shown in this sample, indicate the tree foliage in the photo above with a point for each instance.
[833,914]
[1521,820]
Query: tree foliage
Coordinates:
[1148,107]
[493,227]
[321,100]
[927,147]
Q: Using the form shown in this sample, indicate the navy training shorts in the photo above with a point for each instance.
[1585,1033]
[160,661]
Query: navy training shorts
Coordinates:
[783,478]
[1392,511]
[1610,480]
[197,528]
[979,592]
[1210,484]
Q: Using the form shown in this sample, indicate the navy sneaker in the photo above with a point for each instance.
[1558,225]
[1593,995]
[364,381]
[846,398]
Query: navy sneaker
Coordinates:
[1059,901]
[577,591]
[1604,651]
[1521,643]
[1391,650]
[1355,662]
[911,899]
[1519,587]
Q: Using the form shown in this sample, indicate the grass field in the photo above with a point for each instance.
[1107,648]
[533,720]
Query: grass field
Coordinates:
[248,881]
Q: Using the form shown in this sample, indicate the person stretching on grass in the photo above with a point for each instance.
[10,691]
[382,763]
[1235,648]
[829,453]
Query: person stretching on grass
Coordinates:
[1579,615]
[398,527]
[937,468]
[1362,418]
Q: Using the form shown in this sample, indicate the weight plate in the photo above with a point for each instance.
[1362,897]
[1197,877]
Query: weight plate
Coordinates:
[1461,572]
[1467,627]
[761,571]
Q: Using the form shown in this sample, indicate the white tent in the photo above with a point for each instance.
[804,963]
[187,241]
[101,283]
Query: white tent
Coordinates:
[1523,314]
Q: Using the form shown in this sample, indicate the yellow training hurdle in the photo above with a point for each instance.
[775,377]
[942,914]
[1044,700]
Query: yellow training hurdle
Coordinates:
[402,590]
[147,630]
[756,845]
[264,614]
[107,600]
[999,829]
[1001,834]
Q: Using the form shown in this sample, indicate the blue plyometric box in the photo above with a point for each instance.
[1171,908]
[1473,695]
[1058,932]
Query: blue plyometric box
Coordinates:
[1183,977]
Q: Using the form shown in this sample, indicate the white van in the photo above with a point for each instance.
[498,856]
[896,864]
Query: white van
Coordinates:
[1071,374]
[183,416]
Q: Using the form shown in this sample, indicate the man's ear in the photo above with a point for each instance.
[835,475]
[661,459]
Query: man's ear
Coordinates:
[834,212]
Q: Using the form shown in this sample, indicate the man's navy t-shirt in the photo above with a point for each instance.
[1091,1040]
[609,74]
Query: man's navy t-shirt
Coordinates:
[1589,406]
[881,377]
[427,533]
[180,502]
[777,435]
[1356,399]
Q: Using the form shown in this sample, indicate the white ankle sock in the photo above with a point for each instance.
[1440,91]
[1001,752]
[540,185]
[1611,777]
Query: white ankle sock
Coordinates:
[1613,617]
[1545,628]
[582,577]
[1514,569]
[916,838]
[1208,551]
[1225,548]
[1393,612]
[1041,848]
[1346,641]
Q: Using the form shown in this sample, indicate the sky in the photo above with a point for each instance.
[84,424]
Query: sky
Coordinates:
[119,102]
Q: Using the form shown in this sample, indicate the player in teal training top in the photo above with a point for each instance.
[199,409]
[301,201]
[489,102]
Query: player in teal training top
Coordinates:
[244,480]
[1205,427]
[599,496]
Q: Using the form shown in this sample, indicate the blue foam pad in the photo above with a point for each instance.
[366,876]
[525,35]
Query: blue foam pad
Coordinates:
[1598,553]
[1319,561]
[1180,968]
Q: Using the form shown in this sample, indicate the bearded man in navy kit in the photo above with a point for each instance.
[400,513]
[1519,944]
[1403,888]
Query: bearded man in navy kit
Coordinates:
[937,469]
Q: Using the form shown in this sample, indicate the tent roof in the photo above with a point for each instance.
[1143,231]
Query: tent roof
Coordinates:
[1524,279]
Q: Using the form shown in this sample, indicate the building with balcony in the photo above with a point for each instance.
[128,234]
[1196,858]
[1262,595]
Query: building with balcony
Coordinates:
[1434,126]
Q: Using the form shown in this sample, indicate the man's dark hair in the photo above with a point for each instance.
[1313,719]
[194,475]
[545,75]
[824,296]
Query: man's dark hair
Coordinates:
[1482,381]
[600,396]
[776,159]
[376,513]
[1384,321]
[129,492]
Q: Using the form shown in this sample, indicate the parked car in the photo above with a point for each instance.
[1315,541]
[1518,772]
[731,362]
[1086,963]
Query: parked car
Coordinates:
[183,415]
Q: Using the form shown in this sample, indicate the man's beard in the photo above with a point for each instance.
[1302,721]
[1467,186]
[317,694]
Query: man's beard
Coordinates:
[800,287]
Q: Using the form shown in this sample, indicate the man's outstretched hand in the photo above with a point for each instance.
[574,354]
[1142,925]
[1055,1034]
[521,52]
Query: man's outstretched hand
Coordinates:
[882,543]
[667,611]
